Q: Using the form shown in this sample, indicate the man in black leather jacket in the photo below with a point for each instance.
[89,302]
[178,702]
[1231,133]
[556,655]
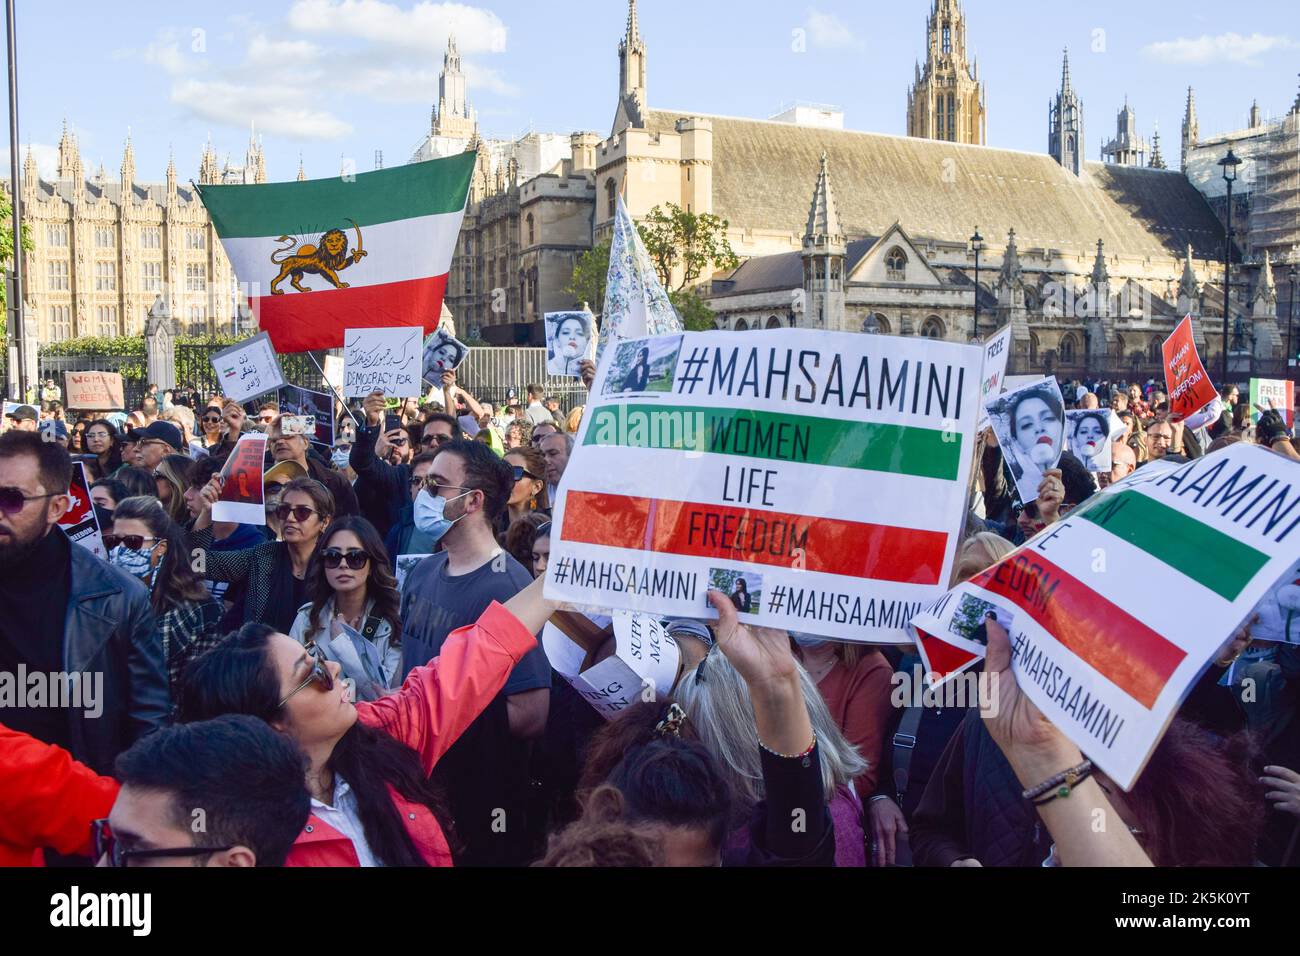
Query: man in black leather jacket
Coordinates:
[67,612]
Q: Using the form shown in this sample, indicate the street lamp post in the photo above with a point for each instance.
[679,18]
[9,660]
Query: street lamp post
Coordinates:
[1292,275]
[1229,164]
[977,243]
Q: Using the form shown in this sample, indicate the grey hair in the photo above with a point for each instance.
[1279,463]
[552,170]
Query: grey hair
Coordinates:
[722,714]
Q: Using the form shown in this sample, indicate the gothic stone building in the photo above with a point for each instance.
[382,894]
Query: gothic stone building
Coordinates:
[1091,263]
[104,249]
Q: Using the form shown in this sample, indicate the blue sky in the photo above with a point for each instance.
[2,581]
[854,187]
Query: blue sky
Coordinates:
[335,79]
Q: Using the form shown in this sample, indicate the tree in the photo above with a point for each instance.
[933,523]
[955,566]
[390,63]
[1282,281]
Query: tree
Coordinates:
[7,253]
[695,242]
[589,272]
[695,312]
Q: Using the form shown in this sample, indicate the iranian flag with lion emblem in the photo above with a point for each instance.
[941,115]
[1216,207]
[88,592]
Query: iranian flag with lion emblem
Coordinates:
[368,251]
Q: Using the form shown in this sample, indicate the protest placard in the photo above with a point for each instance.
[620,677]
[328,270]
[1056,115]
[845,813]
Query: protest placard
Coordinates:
[831,468]
[643,665]
[248,369]
[242,497]
[442,353]
[1187,383]
[993,378]
[382,360]
[1272,393]
[80,522]
[1090,433]
[1030,425]
[298,401]
[1277,615]
[570,338]
[94,391]
[1097,644]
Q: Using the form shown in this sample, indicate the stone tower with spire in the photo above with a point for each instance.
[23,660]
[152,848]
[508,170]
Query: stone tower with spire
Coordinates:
[1100,322]
[1157,160]
[453,116]
[825,250]
[1191,128]
[208,171]
[1263,314]
[946,100]
[254,159]
[1065,124]
[632,103]
[128,168]
[1127,148]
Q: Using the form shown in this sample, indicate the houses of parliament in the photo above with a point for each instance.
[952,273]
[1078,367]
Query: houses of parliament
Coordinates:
[1092,262]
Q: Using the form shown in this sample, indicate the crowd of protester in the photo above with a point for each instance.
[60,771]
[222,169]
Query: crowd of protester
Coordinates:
[223,649]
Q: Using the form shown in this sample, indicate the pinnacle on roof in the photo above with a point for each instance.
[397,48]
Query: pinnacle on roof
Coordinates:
[823,219]
[1065,72]
[633,27]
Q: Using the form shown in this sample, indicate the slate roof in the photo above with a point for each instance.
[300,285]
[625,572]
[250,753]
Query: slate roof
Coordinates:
[763,171]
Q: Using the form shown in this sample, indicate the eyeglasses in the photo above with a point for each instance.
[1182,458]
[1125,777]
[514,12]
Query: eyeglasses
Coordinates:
[105,844]
[428,440]
[333,557]
[520,473]
[300,513]
[12,500]
[134,542]
[319,675]
[212,420]
[399,442]
[418,482]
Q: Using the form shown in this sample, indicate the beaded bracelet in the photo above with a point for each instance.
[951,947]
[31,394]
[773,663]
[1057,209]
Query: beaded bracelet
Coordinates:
[810,749]
[1059,785]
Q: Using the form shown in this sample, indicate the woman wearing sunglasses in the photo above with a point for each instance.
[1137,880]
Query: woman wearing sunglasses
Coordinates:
[275,573]
[210,428]
[148,545]
[103,442]
[352,584]
[172,477]
[528,494]
[369,763]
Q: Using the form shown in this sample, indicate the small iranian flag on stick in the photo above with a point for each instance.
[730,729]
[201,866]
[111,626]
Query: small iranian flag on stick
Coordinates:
[366,251]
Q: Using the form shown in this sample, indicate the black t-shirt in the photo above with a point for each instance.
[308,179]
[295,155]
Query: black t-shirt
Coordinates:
[485,773]
[34,596]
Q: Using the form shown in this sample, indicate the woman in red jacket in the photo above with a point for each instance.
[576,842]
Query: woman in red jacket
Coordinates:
[47,799]
[369,763]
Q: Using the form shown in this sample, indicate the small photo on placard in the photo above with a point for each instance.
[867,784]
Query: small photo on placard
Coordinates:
[442,353]
[970,622]
[745,588]
[1030,426]
[570,338]
[644,365]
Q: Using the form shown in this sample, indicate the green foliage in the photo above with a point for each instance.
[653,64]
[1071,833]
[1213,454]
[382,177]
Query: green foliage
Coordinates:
[695,312]
[694,242]
[130,346]
[588,281]
[7,253]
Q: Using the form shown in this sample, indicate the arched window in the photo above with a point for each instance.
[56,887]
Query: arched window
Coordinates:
[896,265]
[742,325]
[1068,349]
[1033,348]
[1069,144]
[531,232]
[947,38]
[932,328]
[875,324]
[611,196]
[1155,354]
[773,322]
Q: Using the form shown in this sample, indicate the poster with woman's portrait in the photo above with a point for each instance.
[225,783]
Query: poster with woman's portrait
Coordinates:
[1090,434]
[570,338]
[442,353]
[1030,426]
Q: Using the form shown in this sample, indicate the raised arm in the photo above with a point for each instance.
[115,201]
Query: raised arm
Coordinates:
[1038,751]
[439,701]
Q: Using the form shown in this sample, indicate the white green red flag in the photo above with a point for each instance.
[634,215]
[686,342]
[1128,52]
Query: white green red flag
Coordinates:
[367,251]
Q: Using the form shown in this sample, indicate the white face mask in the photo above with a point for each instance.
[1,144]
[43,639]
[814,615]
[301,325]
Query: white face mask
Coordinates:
[430,517]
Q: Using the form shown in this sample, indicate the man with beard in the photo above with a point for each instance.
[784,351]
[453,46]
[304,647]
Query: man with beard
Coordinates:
[67,612]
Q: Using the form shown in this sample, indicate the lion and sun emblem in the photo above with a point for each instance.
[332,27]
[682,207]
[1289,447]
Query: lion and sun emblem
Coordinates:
[327,259]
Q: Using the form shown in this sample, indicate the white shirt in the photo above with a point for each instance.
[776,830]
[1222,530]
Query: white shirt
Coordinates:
[345,817]
[538,415]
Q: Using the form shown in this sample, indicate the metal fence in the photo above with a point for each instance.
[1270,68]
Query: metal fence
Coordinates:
[490,373]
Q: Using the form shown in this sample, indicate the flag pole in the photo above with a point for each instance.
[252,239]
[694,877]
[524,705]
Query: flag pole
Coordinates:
[337,393]
[17,329]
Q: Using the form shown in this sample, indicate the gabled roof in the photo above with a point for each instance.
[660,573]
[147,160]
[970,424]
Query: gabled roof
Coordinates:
[942,191]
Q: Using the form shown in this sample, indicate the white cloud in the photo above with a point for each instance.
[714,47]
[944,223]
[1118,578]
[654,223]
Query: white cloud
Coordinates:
[46,156]
[164,52]
[422,29]
[1224,48]
[827,32]
[267,54]
[275,108]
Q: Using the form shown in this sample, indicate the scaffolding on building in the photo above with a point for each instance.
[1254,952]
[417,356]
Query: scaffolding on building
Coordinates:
[1275,216]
